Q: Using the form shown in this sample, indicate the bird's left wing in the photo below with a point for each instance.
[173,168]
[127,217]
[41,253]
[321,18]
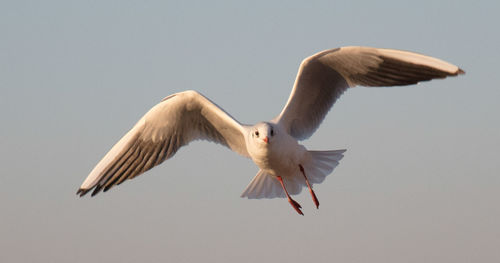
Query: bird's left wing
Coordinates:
[171,124]
[323,77]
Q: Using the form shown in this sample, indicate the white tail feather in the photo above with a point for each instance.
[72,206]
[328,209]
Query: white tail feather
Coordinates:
[263,185]
[321,164]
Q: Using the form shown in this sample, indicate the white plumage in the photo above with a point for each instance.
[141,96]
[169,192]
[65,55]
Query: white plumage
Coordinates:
[285,165]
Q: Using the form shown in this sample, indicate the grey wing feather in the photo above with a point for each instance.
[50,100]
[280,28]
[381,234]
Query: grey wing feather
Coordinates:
[171,124]
[323,77]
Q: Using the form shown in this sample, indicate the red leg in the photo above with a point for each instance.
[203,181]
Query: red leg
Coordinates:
[294,204]
[313,195]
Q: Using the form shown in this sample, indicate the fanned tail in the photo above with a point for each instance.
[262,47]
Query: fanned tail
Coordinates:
[263,185]
[321,164]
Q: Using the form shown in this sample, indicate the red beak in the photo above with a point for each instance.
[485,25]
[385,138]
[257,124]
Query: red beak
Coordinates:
[266,139]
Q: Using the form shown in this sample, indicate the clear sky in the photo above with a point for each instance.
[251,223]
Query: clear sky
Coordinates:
[418,183]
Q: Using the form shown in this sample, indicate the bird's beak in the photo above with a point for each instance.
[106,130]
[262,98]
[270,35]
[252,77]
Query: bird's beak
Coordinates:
[266,139]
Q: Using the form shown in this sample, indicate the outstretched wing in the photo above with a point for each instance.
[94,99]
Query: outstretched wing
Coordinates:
[323,77]
[171,124]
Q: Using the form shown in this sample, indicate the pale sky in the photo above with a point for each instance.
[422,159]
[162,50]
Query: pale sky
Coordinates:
[419,181]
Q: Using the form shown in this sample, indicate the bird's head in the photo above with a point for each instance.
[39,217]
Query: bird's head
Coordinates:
[263,133]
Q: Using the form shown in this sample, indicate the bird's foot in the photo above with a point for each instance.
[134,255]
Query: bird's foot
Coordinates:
[315,199]
[295,205]
[313,195]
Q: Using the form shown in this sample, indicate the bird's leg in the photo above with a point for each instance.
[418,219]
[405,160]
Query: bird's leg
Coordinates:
[294,204]
[313,195]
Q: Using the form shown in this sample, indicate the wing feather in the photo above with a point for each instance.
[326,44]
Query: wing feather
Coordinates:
[323,77]
[171,124]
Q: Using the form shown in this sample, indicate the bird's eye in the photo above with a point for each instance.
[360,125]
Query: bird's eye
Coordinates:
[257,133]
[272,132]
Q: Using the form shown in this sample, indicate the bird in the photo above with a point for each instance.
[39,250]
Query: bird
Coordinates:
[285,165]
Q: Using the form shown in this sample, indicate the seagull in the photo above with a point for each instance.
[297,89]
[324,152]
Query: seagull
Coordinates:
[285,165]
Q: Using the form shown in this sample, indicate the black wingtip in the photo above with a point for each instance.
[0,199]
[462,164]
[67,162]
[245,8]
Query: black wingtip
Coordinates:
[81,192]
[460,71]
[97,189]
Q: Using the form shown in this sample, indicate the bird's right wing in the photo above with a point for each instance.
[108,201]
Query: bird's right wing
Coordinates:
[171,124]
[323,77]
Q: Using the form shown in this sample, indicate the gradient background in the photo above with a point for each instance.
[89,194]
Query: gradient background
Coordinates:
[419,182]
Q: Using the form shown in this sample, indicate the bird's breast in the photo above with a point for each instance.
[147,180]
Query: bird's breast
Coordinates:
[278,159]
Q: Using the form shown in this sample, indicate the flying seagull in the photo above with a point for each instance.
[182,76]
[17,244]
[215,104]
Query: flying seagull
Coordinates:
[285,165]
